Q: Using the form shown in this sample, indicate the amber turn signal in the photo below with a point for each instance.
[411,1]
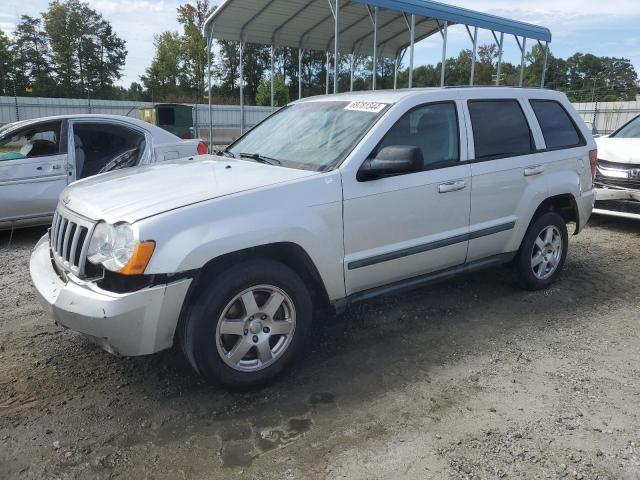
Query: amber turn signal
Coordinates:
[140,259]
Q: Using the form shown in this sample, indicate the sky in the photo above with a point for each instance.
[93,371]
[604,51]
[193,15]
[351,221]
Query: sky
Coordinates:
[610,27]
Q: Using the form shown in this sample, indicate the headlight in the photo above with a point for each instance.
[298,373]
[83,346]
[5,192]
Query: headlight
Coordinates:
[116,248]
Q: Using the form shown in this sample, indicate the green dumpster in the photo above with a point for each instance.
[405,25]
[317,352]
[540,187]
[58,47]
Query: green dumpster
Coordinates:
[172,117]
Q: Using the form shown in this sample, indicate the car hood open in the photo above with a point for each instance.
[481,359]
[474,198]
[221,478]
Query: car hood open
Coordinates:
[620,150]
[136,193]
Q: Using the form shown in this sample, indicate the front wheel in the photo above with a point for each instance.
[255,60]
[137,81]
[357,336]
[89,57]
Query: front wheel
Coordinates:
[247,323]
[543,251]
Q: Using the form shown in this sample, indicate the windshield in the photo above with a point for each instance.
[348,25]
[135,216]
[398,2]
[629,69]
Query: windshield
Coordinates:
[630,130]
[311,136]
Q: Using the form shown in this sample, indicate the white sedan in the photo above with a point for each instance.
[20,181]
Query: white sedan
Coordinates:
[618,174]
[40,157]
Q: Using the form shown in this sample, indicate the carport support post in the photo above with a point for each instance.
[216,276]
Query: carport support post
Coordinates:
[473,55]
[299,73]
[524,50]
[544,65]
[351,60]
[395,72]
[241,88]
[272,81]
[411,48]
[499,69]
[375,48]
[444,52]
[336,41]
[327,80]
[209,38]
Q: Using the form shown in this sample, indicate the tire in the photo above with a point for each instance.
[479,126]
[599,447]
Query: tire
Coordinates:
[539,262]
[256,339]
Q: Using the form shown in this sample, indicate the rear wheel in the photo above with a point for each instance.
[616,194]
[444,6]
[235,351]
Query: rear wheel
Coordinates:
[543,251]
[247,323]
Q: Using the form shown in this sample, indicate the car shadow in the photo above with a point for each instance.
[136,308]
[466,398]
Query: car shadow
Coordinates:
[22,237]
[617,224]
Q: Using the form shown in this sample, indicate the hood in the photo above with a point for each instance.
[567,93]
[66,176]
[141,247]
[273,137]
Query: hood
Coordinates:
[620,150]
[136,193]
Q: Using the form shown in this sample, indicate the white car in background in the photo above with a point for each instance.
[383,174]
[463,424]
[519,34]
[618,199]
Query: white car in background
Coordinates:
[618,174]
[40,157]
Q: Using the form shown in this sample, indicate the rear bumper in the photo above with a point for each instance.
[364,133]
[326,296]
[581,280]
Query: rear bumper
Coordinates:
[130,324]
[585,207]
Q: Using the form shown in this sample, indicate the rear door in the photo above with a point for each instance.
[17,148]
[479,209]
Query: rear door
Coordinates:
[33,171]
[507,173]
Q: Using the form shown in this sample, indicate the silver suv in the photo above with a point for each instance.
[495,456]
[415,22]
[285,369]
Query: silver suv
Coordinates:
[330,201]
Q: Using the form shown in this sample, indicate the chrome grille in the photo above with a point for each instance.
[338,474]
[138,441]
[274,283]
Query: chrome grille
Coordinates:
[69,241]
[618,175]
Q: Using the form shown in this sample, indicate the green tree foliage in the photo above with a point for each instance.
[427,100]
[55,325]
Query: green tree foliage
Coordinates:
[165,77]
[33,69]
[280,90]
[87,56]
[194,44]
[6,63]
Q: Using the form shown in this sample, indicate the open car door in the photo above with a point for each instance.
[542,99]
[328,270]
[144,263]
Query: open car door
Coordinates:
[100,147]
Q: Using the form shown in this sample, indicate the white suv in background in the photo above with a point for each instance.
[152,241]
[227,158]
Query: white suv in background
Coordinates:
[330,201]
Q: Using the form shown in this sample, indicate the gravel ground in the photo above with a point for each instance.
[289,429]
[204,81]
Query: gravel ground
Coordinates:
[470,379]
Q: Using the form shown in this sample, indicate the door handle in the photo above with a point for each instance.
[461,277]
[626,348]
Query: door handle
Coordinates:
[452,186]
[56,167]
[533,170]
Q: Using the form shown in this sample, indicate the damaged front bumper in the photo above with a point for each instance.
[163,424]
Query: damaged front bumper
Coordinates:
[618,202]
[129,324]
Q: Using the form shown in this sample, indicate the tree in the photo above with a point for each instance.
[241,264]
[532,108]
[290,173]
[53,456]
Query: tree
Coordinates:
[281,92]
[164,77]
[6,63]
[32,49]
[256,61]
[194,44]
[87,55]
[227,67]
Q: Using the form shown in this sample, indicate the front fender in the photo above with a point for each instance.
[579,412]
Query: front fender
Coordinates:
[307,213]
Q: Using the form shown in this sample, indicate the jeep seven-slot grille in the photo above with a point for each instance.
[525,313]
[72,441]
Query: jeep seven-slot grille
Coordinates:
[69,240]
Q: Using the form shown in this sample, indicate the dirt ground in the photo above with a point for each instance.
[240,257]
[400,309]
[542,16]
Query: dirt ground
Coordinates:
[470,379]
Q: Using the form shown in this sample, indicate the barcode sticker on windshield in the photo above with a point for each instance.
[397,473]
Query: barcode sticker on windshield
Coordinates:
[371,107]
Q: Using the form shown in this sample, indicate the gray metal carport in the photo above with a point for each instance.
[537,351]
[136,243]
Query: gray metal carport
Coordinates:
[376,28]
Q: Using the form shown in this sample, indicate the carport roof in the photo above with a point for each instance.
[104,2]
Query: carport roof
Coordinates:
[309,24]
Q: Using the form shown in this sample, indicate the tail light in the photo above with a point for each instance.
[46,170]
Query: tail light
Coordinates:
[593,160]
[202,148]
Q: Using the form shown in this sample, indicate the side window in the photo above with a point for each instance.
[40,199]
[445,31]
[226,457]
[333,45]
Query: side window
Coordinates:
[558,129]
[500,129]
[433,128]
[102,147]
[31,142]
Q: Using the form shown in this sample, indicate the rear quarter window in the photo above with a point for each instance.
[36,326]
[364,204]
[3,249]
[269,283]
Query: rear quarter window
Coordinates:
[500,129]
[557,127]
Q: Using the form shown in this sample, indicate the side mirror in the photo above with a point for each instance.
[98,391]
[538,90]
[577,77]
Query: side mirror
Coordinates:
[390,161]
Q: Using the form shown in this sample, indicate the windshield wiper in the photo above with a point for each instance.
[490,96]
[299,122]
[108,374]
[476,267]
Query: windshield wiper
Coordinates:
[260,158]
[225,153]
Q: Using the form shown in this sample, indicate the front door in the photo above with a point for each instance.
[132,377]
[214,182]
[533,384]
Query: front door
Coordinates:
[33,172]
[508,175]
[404,226]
